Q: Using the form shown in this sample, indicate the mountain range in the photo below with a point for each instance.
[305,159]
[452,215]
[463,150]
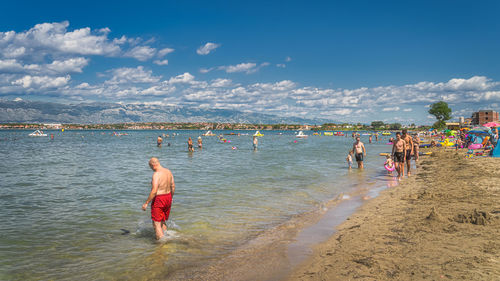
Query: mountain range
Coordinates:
[105,113]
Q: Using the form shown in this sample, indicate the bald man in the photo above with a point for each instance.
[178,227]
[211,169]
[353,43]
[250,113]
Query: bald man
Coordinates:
[162,191]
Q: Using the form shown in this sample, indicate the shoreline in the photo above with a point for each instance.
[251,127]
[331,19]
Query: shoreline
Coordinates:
[441,223]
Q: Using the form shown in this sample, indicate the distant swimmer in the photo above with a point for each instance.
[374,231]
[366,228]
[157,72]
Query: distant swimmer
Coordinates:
[200,143]
[162,191]
[359,151]
[51,136]
[159,141]
[255,143]
[399,154]
[370,139]
[190,145]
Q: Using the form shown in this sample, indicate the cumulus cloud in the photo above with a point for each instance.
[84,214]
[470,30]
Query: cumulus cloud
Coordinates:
[281,65]
[142,53]
[395,108]
[126,75]
[68,66]
[288,59]
[164,52]
[242,67]
[207,48]
[41,82]
[161,62]
[182,78]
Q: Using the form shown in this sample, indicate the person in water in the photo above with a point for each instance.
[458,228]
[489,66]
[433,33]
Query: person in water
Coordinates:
[255,143]
[162,191]
[409,150]
[389,163]
[190,145]
[159,141]
[349,159]
[370,139]
[399,154]
[359,149]
[200,143]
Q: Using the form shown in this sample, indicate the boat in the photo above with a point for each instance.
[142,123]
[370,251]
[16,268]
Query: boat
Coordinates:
[38,133]
[339,134]
[301,135]
[208,134]
[316,134]
[328,133]
[258,134]
[386,133]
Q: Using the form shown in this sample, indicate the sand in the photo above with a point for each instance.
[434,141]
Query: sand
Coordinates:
[443,223]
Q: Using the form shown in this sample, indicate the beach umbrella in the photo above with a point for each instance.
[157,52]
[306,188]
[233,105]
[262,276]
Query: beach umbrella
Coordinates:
[492,124]
[480,130]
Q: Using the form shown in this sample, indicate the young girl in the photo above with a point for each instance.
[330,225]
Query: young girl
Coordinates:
[349,159]
[389,164]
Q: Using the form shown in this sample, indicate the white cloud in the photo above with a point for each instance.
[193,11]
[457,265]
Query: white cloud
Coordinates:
[221,83]
[407,109]
[41,82]
[68,66]
[142,53]
[182,78]
[125,75]
[248,67]
[18,99]
[288,59]
[161,62]
[395,108]
[281,65]
[207,48]
[206,70]
[164,52]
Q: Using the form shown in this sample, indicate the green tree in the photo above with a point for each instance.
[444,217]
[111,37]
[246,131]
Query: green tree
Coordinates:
[377,124]
[395,126]
[442,112]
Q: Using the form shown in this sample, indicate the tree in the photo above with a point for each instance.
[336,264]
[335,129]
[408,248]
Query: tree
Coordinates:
[442,112]
[395,126]
[377,124]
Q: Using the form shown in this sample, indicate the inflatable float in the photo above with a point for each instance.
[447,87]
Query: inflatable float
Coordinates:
[475,146]
[390,169]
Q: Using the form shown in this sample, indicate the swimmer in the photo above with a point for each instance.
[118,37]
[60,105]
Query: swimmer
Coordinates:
[190,145]
[159,141]
[162,191]
[255,143]
[200,143]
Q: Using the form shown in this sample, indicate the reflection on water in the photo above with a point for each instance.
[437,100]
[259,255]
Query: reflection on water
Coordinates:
[72,205]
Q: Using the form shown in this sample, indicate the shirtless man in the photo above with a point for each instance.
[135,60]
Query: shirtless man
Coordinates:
[190,145]
[159,141]
[409,149]
[399,154]
[162,191]
[359,151]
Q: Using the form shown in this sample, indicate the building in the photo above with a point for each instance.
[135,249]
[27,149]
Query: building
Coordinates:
[484,116]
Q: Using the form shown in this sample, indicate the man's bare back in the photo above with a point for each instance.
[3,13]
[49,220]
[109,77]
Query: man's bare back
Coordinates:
[164,180]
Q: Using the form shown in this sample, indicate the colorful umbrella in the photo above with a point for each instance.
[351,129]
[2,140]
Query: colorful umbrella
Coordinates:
[492,124]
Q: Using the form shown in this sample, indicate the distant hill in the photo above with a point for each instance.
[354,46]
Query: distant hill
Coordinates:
[92,113]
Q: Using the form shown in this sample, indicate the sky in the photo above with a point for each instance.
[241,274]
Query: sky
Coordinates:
[345,61]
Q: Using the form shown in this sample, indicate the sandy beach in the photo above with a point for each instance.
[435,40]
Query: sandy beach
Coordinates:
[443,223]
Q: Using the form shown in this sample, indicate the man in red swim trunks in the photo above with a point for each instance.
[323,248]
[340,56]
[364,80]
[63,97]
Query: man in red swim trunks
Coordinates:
[162,191]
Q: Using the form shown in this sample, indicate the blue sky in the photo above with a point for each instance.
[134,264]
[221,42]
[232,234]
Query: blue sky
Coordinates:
[358,61]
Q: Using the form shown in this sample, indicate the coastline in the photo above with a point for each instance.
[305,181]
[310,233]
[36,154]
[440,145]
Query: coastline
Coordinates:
[441,223]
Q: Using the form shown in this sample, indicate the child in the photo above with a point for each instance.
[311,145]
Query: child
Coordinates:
[389,164]
[349,159]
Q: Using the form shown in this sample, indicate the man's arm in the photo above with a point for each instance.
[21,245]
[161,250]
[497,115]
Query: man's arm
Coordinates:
[154,189]
[411,145]
[364,149]
[173,185]
[404,150]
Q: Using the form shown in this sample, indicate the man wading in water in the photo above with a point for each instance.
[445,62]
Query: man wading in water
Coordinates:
[399,155]
[359,151]
[162,191]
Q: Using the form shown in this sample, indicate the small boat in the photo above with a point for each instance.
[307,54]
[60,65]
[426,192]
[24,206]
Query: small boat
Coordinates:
[258,134]
[301,135]
[328,133]
[38,133]
[339,134]
[208,134]
[386,133]
[316,134]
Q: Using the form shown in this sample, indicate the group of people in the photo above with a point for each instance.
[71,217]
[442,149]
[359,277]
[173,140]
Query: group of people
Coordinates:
[404,147]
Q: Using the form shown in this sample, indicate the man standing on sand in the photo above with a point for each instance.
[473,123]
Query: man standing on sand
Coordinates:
[359,151]
[398,154]
[409,150]
[162,191]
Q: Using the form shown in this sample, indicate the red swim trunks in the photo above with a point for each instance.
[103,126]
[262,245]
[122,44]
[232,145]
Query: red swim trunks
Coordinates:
[160,207]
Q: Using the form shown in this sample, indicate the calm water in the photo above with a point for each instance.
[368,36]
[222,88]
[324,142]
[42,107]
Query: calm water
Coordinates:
[68,203]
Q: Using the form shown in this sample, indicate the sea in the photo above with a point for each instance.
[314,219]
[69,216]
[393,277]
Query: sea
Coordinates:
[71,205]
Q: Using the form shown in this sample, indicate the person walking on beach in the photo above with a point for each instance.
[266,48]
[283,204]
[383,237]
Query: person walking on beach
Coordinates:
[359,149]
[162,191]
[399,154]
[255,143]
[159,141]
[200,143]
[190,145]
[416,147]
[409,150]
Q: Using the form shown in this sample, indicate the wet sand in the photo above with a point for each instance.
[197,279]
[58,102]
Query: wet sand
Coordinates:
[443,223]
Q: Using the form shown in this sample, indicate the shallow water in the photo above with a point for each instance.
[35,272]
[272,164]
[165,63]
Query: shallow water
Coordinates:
[68,203]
